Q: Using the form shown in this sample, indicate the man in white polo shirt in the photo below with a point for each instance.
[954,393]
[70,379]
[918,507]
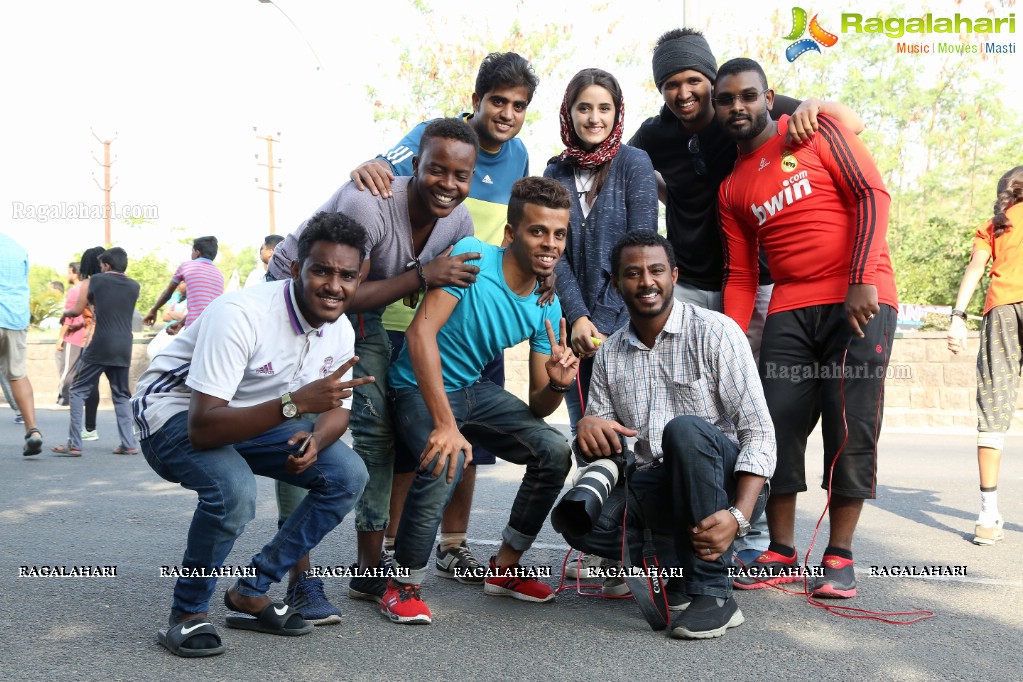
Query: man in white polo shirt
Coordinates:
[221,402]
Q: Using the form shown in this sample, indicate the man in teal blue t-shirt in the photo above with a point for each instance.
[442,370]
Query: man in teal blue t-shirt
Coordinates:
[443,406]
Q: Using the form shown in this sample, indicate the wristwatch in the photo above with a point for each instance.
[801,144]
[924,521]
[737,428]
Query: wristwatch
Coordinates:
[741,520]
[959,313]
[288,408]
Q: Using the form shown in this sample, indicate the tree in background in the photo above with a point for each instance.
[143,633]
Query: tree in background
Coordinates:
[439,81]
[236,265]
[44,302]
[152,273]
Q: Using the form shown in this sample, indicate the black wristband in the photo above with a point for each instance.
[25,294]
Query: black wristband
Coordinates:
[959,313]
[558,389]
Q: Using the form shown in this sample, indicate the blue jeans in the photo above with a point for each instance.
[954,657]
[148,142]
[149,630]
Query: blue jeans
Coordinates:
[223,478]
[371,424]
[493,418]
[695,481]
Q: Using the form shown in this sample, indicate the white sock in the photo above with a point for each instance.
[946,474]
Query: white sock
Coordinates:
[988,508]
[451,540]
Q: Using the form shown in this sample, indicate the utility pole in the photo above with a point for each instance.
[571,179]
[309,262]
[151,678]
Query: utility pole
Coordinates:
[270,189]
[106,186]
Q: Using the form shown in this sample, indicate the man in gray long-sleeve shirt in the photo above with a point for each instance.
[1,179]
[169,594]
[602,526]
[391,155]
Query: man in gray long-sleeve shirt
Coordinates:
[680,379]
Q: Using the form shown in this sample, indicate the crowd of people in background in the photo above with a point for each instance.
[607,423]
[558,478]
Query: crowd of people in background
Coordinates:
[387,314]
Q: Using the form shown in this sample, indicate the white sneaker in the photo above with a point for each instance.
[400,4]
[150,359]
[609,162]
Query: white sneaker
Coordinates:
[580,565]
[988,534]
[90,435]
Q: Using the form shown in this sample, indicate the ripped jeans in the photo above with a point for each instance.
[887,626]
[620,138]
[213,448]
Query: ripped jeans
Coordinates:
[371,424]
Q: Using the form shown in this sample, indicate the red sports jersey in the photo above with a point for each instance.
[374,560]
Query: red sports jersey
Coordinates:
[820,210]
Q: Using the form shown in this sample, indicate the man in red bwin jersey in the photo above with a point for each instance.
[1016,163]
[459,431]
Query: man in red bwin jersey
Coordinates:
[820,211]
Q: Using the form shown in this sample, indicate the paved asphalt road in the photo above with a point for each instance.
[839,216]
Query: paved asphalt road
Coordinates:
[104,509]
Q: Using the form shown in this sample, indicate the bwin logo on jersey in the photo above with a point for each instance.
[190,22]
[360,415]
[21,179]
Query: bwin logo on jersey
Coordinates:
[817,35]
[794,188]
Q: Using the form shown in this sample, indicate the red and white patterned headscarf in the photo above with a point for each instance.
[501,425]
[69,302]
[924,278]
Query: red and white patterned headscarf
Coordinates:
[603,152]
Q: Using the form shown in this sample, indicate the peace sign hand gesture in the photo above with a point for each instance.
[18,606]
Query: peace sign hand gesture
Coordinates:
[562,365]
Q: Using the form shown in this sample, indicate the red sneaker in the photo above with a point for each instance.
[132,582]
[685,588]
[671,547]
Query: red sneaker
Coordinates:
[515,582]
[402,604]
[770,568]
[838,581]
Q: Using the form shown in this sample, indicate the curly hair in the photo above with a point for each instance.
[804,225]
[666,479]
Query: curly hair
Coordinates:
[1010,193]
[336,228]
[546,192]
[450,129]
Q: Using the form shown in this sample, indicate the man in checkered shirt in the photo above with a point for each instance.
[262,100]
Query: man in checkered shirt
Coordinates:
[682,381]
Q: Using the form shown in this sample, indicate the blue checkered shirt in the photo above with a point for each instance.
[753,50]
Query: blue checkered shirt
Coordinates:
[700,365]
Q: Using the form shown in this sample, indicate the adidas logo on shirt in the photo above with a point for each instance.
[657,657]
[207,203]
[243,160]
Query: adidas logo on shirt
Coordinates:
[267,369]
[487,180]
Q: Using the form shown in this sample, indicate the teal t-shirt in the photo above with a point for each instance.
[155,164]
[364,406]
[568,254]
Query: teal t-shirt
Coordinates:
[489,318]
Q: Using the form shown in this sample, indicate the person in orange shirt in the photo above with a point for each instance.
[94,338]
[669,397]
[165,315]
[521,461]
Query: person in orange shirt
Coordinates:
[998,363]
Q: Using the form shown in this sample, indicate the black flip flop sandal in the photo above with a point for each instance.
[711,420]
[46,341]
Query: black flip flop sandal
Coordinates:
[275,619]
[175,636]
[33,443]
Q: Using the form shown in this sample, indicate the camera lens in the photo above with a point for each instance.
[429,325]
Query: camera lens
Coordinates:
[580,508]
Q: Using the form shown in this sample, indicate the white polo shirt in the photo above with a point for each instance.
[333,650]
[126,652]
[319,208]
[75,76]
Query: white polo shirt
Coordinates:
[248,346]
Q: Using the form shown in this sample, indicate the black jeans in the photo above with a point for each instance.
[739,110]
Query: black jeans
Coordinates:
[695,480]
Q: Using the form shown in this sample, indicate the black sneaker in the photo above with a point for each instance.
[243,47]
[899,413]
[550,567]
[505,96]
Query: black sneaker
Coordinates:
[307,597]
[704,619]
[678,599]
[460,564]
[369,587]
[838,581]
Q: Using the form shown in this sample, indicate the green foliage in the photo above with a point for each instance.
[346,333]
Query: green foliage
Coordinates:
[40,276]
[44,304]
[930,260]
[241,261]
[441,78]
[153,275]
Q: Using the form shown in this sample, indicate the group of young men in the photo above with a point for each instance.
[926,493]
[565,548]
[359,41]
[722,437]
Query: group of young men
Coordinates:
[393,300]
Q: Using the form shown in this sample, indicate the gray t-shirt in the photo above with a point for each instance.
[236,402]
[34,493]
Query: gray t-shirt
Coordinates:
[388,227]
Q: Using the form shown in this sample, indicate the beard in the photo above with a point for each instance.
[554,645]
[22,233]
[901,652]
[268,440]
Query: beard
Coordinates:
[757,124]
[635,311]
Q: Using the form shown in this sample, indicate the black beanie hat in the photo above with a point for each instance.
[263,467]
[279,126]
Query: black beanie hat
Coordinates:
[681,54]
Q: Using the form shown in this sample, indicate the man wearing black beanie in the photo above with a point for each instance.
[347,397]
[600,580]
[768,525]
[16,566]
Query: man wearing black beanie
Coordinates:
[692,156]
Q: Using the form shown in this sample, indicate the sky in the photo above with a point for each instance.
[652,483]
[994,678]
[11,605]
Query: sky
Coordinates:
[179,87]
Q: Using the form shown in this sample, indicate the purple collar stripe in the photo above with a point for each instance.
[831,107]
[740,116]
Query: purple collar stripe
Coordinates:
[292,313]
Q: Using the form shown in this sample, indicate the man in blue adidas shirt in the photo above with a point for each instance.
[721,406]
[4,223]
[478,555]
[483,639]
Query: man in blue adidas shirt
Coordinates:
[505,84]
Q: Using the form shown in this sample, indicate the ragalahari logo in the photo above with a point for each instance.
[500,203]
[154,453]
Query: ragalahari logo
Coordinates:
[817,36]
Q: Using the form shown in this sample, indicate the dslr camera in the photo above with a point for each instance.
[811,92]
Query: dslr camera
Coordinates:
[580,507]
